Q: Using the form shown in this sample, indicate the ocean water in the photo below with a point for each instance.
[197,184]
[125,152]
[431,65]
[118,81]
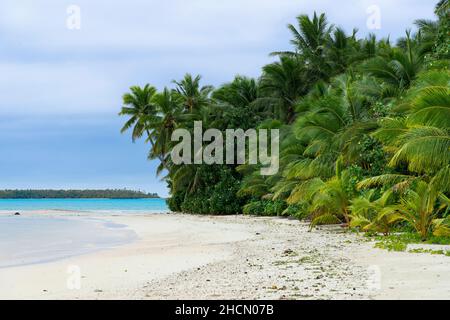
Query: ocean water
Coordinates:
[107,205]
[30,239]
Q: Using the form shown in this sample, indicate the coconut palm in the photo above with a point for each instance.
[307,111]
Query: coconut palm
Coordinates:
[139,107]
[426,36]
[328,201]
[342,50]
[241,92]
[421,207]
[309,40]
[422,140]
[282,83]
[370,213]
[329,125]
[194,96]
[398,69]
[167,118]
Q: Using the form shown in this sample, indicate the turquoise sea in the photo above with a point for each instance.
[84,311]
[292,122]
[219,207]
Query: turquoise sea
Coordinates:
[36,238]
[122,205]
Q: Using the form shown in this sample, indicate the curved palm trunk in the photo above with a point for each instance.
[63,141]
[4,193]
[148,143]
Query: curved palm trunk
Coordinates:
[160,156]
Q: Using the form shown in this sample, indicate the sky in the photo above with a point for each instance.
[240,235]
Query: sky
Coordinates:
[61,86]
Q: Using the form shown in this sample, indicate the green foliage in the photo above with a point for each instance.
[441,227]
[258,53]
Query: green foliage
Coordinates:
[364,124]
[430,251]
[422,140]
[265,208]
[399,242]
[392,244]
[374,214]
[254,208]
[372,158]
[219,199]
[298,211]
[175,201]
[223,199]
[275,208]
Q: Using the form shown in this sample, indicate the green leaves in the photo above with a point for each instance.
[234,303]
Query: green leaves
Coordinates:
[397,70]
[425,149]
[365,131]
[418,208]
[370,213]
[138,105]
[422,139]
[431,108]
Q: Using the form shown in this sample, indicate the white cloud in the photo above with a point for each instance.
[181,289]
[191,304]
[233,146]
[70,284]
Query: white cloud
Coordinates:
[183,24]
[47,68]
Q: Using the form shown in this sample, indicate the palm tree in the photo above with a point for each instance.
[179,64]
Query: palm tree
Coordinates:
[311,35]
[192,94]
[374,214]
[366,48]
[422,140]
[167,118]
[239,104]
[241,92]
[334,122]
[254,184]
[398,69]
[419,141]
[328,201]
[421,207]
[309,41]
[291,156]
[342,50]
[138,105]
[427,35]
[282,83]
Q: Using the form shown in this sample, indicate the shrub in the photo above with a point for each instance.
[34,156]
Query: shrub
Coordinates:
[254,208]
[274,208]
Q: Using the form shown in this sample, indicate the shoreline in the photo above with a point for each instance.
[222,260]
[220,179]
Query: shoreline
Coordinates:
[32,239]
[232,257]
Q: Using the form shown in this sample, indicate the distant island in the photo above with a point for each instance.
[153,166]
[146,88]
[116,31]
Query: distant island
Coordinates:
[76,194]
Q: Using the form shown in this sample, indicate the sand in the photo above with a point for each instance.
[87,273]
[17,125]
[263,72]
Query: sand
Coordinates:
[234,257]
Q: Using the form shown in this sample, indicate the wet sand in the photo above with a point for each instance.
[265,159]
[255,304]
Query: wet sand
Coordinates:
[234,257]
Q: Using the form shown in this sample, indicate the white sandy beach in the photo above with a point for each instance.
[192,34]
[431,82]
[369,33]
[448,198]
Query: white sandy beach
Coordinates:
[234,257]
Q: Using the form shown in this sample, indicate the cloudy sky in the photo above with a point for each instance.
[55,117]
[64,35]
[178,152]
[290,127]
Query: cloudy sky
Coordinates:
[61,88]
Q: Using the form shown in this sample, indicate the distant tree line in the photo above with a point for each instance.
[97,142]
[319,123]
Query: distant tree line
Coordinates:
[75,194]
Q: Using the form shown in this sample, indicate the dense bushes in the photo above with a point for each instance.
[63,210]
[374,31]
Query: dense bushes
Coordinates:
[265,207]
[219,198]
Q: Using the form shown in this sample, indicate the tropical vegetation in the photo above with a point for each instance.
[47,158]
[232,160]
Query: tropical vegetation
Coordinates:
[364,131]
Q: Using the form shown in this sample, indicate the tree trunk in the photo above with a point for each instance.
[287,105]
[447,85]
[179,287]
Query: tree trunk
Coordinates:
[160,157]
